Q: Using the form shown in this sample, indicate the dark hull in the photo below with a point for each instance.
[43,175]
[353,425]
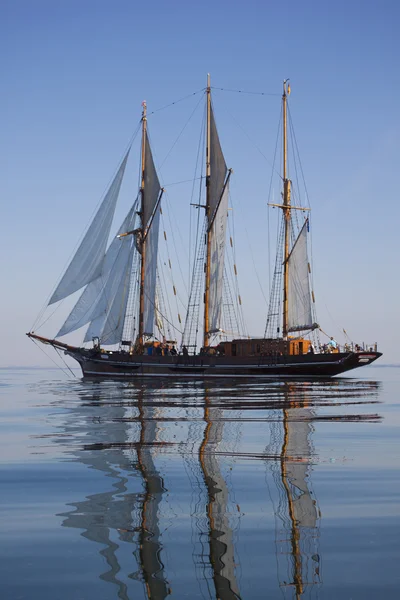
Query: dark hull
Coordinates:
[122,365]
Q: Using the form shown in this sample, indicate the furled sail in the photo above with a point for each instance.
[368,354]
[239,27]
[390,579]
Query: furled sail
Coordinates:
[87,262]
[299,305]
[151,188]
[217,168]
[218,235]
[91,303]
[150,274]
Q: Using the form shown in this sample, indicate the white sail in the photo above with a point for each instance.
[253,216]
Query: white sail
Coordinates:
[218,236]
[87,262]
[299,305]
[217,168]
[91,302]
[151,188]
[150,274]
[108,326]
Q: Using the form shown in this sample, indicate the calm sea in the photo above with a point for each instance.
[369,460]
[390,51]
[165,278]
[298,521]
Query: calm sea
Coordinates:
[199,490]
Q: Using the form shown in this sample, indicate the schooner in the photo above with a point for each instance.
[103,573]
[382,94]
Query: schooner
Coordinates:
[111,276]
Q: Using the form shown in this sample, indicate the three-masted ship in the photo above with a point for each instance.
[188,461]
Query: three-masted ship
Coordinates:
[110,277]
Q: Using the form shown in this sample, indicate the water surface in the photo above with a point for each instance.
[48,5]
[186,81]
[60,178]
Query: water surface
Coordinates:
[199,489]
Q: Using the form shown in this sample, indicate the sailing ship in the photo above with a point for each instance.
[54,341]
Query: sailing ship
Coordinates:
[112,277]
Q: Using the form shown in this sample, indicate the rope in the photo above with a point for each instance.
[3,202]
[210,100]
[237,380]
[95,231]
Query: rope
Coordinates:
[244,92]
[180,133]
[176,102]
[183,181]
[252,142]
[48,356]
[68,367]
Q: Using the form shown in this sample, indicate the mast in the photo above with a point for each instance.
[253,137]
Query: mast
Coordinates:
[208,234]
[294,533]
[221,544]
[286,212]
[143,243]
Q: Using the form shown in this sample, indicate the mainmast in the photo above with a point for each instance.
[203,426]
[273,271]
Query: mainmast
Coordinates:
[143,242]
[208,234]
[286,212]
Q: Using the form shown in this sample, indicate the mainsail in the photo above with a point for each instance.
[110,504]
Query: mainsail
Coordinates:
[87,262]
[150,275]
[300,305]
[217,257]
[93,301]
[217,216]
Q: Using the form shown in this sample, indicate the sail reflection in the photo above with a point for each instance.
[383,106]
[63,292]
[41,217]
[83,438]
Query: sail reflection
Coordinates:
[126,451]
[297,514]
[221,550]
[153,537]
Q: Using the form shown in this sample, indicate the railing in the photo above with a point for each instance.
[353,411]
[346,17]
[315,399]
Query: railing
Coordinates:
[348,347]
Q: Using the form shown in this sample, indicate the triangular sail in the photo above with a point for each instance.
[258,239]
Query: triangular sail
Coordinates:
[152,187]
[108,326]
[91,302]
[300,305]
[87,263]
[150,274]
[218,236]
[217,168]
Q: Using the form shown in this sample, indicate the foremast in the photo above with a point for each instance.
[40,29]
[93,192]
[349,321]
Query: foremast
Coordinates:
[140,340]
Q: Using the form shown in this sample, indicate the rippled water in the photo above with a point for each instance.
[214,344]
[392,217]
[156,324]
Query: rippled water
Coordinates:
[199,490]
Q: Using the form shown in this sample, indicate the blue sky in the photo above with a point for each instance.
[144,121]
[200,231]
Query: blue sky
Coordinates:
[74,74]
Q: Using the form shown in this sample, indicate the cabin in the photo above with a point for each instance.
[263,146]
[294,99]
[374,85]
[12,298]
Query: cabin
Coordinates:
[264,347]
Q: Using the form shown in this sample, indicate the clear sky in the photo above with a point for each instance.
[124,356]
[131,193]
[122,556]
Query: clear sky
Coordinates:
[74,74]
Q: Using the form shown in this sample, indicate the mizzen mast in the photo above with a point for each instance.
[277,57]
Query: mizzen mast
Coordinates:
[208,210]
[286,212]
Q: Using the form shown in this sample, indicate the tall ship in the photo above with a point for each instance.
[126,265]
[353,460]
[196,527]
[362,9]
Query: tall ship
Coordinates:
[121,301]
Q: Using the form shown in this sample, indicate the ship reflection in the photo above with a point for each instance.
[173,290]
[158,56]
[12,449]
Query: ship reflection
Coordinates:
[131,438]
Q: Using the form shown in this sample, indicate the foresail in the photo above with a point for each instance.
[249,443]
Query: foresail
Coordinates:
[92,301]
[299,306]
[217,167]
[151,188]
[87,263]
[218,236]
[108,326]
[150,274]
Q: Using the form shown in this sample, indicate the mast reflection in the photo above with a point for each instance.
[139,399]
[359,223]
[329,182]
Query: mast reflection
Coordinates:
[221,548]
[132,517]
[297,512]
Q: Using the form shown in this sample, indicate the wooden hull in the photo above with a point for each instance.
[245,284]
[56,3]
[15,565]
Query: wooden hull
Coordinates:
[119,365]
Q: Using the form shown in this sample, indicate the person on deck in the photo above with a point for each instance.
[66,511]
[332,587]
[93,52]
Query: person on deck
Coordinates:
[332,345]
